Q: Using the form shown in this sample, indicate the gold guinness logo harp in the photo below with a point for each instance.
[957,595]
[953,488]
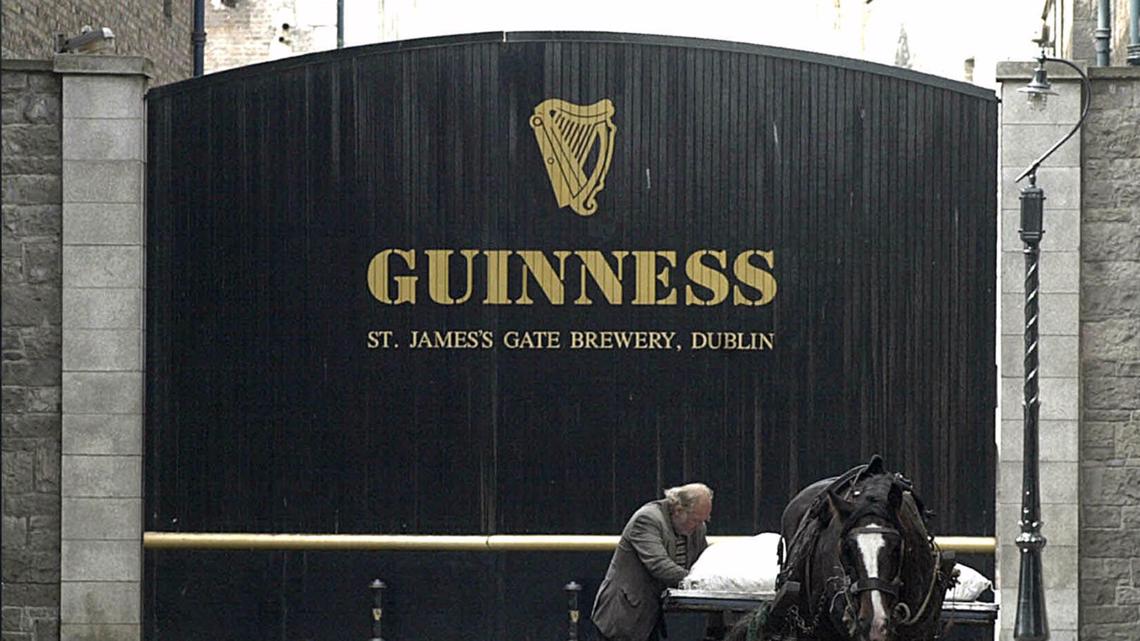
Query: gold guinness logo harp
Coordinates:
[566,135]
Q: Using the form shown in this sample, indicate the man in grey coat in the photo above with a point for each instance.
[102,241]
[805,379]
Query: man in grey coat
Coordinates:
[659,544]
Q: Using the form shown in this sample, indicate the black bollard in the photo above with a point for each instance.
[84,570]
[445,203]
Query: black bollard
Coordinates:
[377,586]
[572,590]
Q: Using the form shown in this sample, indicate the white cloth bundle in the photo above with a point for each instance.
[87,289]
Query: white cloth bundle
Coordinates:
[739,565]
[971,584]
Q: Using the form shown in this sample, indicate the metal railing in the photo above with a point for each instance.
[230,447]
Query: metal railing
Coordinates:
[448,542]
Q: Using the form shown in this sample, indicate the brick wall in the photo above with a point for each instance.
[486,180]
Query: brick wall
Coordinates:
[155,29]
[245,32]
[1110,359]
[31,350]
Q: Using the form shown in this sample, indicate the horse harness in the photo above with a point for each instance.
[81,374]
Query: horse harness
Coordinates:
[784,618]
[851,584]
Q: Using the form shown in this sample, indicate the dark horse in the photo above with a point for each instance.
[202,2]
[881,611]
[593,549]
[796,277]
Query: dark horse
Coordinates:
[858,564]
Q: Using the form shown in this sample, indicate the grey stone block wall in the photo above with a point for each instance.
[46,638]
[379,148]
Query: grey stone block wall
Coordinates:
[31,164]
[1110,360]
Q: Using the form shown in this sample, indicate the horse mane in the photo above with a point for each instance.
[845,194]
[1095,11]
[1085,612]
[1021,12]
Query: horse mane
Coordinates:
[926,572]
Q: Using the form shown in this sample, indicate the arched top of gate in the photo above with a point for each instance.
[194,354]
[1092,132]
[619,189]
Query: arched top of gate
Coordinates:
[576,37]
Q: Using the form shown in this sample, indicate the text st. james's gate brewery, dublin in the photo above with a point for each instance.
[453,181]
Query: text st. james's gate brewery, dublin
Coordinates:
[568,136]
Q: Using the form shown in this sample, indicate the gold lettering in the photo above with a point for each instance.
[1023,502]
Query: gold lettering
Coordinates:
[452,339]
[378,339]
[378,282]
[754,277]
[393,277]
[536,265]
[648,277]
[609,339]
[497,277]
[732,341]
[532,340]
[707,277]
[610,283]
[439,275]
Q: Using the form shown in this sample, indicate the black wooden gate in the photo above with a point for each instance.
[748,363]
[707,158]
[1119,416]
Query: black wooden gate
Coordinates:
[518,283]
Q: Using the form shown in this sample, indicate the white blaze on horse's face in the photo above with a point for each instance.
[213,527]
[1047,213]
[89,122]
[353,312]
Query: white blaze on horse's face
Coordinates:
[871,545]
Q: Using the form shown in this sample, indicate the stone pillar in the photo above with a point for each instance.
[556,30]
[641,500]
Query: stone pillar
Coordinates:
[1025,135]
[102,345]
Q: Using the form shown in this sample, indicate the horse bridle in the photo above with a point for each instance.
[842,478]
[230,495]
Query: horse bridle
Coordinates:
[866,584]
[856,585]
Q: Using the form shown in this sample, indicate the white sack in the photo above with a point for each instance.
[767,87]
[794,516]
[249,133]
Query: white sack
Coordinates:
[971,584]
[745,565]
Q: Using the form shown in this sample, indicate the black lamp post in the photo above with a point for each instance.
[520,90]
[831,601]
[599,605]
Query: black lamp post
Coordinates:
[1031,623]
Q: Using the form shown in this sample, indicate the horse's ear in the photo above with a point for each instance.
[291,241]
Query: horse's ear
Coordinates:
[840,505]
[895,496]
[875,465]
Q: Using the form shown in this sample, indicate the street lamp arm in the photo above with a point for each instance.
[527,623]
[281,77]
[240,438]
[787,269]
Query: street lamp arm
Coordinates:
[1086,95]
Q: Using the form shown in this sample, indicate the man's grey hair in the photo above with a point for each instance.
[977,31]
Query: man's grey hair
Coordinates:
[684,497]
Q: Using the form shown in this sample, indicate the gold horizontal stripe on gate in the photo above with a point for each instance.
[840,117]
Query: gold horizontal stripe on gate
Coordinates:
[445,542]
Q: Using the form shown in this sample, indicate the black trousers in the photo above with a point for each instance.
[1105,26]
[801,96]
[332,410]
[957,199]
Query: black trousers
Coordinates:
[657,634]
[716,627]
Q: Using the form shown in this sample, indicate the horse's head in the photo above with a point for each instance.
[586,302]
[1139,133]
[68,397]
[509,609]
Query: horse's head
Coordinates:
[871,553]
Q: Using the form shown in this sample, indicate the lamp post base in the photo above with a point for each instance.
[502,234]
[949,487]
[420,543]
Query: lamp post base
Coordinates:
[1031,623]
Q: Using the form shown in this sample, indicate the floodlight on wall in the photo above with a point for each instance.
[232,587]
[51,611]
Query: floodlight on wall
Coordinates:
[89,40]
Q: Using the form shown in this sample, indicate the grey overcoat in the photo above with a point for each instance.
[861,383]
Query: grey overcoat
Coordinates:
[643,565]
